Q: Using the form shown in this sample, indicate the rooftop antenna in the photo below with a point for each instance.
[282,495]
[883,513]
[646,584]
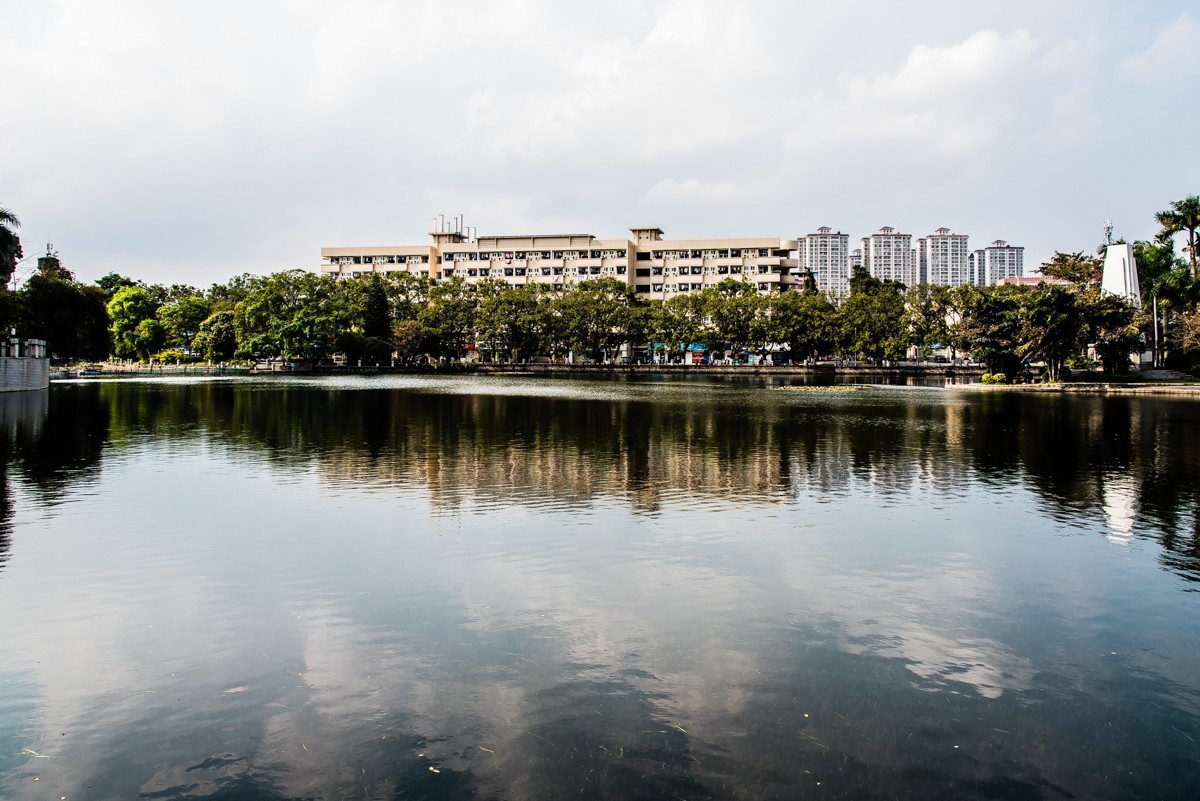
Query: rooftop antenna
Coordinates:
[1108,229]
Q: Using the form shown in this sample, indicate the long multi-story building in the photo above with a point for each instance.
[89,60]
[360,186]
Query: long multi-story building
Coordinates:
[888,256]
[826,255]
[654,266]
[996,262]
[944,259]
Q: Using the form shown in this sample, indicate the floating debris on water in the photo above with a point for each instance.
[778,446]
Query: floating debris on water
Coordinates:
[830,388]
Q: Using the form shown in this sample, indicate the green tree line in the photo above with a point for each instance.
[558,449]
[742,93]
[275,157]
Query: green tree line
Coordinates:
[381,318]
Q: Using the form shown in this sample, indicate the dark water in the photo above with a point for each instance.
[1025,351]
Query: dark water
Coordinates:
[500,588]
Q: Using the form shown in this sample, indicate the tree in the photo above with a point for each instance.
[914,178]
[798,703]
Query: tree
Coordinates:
[216,337]
[70,317]
[807,322]
[448,318]
[376,310]
[10,245]
[990,326]
[129,308]
[111,282]
[1081,270]
[736,313]
[1114,326]
[1052,327]
[1182,217]
[148,338]
[406,339]
[292,314]
[407,293]
[181,320]
[11,310]
[1166,287]
[513,320]
[681,321]
[871,319]
[226,296]
[1189,338]
[595,316]
[371,319]
[810,284]
[926,311]
[1155,261]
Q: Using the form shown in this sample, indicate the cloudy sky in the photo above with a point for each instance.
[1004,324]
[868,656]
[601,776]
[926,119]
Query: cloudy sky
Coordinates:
[190,142]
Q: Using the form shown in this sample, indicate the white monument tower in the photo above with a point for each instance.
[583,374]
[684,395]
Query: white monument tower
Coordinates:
[1120,269]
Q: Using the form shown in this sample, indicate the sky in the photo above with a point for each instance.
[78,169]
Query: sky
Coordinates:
[192,142]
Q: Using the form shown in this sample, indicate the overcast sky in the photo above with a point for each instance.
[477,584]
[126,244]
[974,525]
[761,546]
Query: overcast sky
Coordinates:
[190,142]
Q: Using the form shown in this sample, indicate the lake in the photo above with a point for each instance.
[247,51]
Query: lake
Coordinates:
[402,587]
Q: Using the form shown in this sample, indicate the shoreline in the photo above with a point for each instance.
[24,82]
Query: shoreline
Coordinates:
[1088,388]
[959,378]
[281,368]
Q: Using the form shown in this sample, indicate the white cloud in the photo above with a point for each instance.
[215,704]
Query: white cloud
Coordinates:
[691,191]
[944,102]
[189,144]
[1171,62]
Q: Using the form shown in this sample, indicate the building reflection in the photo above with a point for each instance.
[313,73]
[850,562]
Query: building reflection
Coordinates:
[652,449]
[48,446]
[528,677]
[22,417]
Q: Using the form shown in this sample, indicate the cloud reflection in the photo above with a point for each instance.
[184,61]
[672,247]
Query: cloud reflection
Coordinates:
[721,593]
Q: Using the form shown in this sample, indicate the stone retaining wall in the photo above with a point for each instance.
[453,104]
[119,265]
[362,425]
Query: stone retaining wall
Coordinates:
[23,365]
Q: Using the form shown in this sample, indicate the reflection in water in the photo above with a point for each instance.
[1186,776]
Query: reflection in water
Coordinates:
[1135,460]
[430,588]
[22,418]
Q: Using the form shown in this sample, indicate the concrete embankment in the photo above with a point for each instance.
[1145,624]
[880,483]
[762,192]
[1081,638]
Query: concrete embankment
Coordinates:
[865,371]
[23,365]
[123,370]
[932,371]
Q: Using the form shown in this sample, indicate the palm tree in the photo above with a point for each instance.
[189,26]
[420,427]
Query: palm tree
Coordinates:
[10,244]
[1184,215]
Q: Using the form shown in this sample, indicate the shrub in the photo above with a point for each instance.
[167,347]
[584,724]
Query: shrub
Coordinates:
[995,378]
[171,357]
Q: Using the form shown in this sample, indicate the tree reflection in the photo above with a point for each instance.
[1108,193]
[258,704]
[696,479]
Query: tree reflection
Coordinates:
[65,445]
[651,446]
[50,441]
[22,414]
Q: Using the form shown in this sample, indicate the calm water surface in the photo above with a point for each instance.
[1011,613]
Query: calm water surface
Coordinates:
[435,588]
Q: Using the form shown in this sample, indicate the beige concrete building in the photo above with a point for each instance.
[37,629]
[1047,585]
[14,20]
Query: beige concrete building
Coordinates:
[653,266]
